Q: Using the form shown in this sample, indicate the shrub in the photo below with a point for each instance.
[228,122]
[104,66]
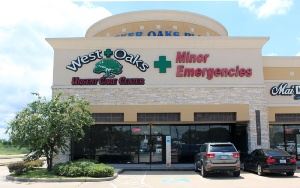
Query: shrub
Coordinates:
[83,168]
[23,166]
[34,164]
[60,169]
[17,168]
[100,170]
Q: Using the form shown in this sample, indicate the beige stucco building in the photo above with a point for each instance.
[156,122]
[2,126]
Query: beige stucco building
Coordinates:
[153,74]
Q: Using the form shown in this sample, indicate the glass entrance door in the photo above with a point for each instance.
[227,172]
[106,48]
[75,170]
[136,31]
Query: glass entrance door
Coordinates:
[150,149]
[157,149]
[144,149]
[149,143]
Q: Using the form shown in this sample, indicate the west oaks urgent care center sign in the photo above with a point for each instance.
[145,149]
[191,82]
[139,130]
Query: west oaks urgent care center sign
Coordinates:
[120,66]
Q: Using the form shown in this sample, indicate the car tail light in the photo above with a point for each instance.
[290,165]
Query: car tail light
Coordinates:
[293,160]
[210,155]
[270,160]
[236,154]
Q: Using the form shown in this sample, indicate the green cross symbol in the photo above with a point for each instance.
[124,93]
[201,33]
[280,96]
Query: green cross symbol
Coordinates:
[162,64]
[108,52]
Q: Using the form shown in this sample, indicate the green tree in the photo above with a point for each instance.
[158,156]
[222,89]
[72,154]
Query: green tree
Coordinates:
[48,126]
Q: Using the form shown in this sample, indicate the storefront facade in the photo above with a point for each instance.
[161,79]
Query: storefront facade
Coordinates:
[153,74]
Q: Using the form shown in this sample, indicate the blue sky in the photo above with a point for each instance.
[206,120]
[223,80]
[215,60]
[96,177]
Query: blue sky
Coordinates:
[26,59]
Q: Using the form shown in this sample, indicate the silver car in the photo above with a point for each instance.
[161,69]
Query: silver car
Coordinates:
[218,157]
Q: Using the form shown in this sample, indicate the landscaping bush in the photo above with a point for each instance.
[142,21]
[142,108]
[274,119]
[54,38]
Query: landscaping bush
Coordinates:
[24,166]
[17,168]
[83,168]
[34,164]
[100,170]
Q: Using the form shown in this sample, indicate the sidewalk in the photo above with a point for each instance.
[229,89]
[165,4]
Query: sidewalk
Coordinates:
[7,159]
[162,167]
[11,156]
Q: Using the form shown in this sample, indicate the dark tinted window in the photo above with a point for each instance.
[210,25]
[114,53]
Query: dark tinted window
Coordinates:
[259,153]
[222,148]
[275,153]
[203,148]
[295,117]
[253,153]
[108,117]
[215,116]
[146,117]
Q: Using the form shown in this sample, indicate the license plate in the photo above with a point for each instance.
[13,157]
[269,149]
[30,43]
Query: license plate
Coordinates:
[224,157]
[282,161]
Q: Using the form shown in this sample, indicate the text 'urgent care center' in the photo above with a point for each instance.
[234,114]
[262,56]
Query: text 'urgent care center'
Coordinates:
[161,83]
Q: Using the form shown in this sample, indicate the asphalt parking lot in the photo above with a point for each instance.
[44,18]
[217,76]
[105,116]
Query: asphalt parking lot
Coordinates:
[174,179]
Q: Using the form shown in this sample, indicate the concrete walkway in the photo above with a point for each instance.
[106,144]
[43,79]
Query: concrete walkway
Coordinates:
[162,167]
[181,167]
[7,159]
[11,156]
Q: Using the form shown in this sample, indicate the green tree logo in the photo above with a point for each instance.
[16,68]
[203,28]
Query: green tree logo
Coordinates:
[108,66]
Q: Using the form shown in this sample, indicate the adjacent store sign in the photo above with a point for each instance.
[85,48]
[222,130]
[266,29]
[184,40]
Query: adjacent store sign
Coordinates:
[168,151]
[284,90]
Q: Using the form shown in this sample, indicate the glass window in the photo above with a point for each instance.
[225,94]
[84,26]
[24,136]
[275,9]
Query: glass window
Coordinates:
[151,117]
[275,153]
[160,130]
[290,138]
[277,137]
[215,116]
[293,117]
[108,117]
[180,147]
[199,134]
[219,133]
[203,148]
[222,148]
[140,129]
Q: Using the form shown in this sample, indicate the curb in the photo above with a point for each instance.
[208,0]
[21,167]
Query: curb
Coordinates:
[19,179]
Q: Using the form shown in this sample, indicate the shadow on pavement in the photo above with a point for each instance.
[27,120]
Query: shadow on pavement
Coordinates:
[273,175]
[223,176]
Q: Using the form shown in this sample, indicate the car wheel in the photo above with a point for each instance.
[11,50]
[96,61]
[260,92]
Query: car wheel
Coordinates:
[259,170]
[203,171]
[236,173]
[196,168]
[290,173]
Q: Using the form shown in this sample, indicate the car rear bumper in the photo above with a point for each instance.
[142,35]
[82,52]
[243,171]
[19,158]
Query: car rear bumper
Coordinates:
[279,169]
[210,167]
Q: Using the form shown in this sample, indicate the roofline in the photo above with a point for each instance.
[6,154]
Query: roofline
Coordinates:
[152,42]
[156,15]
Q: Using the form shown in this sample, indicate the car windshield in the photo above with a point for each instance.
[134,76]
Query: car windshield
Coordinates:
[276,153]
[222,148]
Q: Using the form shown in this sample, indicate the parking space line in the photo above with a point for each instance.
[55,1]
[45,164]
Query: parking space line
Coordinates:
[143,178]
[113,185]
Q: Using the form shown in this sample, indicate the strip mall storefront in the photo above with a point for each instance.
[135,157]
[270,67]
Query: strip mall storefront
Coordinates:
[161,83]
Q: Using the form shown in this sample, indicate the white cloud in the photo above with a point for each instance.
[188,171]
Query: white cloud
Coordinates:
[298,54]
[25,57]
[267,8]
